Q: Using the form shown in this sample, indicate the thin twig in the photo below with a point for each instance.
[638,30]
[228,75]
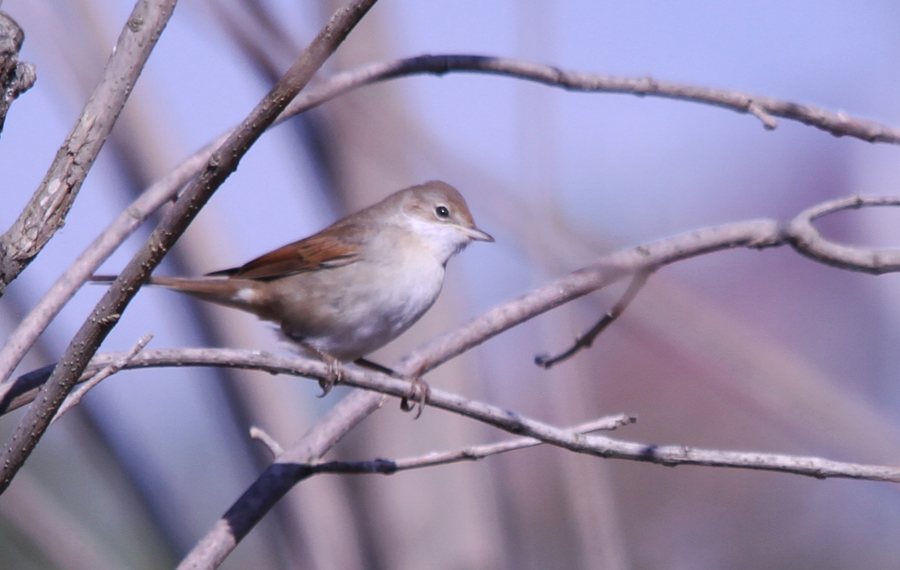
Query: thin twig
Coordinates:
[260,434]
[587,339]
[757,111]
[74,398]
[471,453]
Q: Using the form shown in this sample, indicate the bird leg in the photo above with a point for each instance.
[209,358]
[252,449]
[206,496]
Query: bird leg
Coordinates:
[335,373]
[335,369]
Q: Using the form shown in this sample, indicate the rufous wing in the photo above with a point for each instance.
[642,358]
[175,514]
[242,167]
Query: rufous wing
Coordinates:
[332,247]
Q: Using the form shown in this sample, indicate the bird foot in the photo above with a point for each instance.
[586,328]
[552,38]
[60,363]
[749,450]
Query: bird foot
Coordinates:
[418,395]
[335,374]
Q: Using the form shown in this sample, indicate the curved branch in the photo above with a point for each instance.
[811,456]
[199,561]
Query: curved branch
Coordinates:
[761,107]
[807,240]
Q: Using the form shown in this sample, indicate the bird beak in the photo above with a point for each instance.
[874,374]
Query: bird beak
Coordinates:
[477,235]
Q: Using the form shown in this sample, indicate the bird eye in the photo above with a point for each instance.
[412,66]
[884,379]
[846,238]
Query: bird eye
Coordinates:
[442,212]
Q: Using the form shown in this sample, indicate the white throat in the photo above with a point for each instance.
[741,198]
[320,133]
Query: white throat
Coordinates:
[443,240]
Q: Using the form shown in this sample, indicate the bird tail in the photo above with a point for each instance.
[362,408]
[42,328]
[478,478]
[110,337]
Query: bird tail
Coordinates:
[229,292]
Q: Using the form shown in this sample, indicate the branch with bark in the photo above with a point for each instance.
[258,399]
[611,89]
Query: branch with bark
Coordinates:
[512,422]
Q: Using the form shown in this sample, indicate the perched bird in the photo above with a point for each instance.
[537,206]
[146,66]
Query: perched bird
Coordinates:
[354,286]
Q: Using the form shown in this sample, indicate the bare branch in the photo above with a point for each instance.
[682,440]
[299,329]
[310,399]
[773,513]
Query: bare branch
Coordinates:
[220,165]
[260,434]
[278,479]
[292,465]
[588,338]
[46,212]
[471,453]
[764,108]
[609,269]
[754,233]
[74,398]
[807,240]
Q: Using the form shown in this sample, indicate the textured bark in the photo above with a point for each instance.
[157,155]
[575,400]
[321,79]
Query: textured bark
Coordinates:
[16,76]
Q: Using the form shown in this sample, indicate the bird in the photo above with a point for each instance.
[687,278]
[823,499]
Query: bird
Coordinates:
[356,285]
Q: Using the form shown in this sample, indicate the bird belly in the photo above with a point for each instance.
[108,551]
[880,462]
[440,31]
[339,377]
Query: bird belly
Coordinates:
[348,322]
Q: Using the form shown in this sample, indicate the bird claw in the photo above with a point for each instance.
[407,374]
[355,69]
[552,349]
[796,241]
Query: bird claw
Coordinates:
[419,392]
[335,374]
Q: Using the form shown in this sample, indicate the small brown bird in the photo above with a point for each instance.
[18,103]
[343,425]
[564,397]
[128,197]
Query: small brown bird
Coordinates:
[356,285]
